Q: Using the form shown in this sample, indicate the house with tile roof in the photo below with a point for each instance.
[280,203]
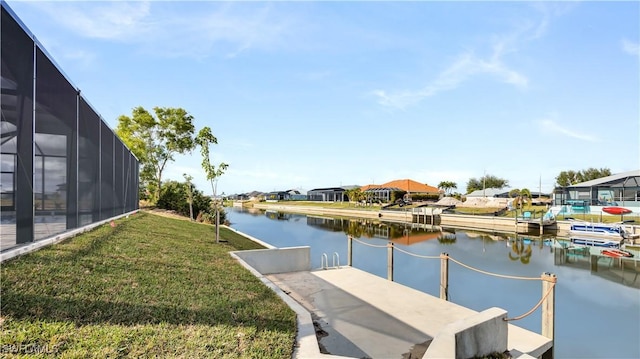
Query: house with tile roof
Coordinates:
[410,187]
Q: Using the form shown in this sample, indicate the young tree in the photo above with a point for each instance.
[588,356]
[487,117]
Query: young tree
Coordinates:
[204,139]
[188,179]
[155,140]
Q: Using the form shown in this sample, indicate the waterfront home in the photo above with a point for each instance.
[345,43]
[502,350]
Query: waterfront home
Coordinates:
[621,189]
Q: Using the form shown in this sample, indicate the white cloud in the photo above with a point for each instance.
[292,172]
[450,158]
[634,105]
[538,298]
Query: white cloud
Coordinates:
[116,20]
[464,67]
[81,57]
[225,29]
[550,126]
[630,47]
[316,75]
[468,64]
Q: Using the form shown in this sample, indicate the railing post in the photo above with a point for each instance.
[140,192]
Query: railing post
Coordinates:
[444,276]
[349,250]
[548,307]
[390,261]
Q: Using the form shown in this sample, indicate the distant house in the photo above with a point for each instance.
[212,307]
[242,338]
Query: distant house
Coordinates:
[537,198]
[490,192]
[621,189]
[329,194]
[384,191]
[290,195]
[276,196]
[296,195]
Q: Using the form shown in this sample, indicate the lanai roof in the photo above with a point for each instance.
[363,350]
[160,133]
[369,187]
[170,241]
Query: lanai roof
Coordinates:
[605,180]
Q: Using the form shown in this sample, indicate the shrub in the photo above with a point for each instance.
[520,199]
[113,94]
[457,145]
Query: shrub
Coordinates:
[174,197]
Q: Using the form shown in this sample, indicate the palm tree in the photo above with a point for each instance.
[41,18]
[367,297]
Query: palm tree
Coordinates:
[354,194]
[447,186]
[520,197]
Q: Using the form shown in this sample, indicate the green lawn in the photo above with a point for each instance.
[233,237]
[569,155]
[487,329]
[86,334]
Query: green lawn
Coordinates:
[150,287]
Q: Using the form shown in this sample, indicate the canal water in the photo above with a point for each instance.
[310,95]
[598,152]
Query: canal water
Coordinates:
[597,309]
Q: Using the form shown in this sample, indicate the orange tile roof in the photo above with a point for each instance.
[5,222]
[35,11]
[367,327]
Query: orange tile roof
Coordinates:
[407,185]
[364,188]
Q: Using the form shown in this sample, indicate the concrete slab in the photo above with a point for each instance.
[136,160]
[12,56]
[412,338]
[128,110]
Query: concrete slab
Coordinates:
[366,316]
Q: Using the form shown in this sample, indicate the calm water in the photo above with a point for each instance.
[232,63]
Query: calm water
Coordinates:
[597,313]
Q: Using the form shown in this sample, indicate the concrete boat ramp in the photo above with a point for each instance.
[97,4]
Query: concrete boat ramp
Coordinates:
[346,312]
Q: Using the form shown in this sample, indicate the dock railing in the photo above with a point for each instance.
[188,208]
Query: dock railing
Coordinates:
[548,280]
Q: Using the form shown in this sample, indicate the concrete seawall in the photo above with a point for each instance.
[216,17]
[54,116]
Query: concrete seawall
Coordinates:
[489,223]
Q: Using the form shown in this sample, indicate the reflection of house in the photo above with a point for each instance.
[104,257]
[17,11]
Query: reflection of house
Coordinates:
[384,191]
[415,237]
[622,189]
[329,194]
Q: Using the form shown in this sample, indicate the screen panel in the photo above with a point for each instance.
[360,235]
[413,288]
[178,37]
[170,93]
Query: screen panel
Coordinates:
[118,176]
[16,144]
[106,172]
[55,150]
[88,164]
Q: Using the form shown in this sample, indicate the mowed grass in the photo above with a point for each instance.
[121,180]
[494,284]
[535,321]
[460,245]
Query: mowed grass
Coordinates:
[149,287]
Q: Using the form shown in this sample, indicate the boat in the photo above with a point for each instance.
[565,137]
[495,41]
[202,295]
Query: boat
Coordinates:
[597,242]
[616,210]
[616,253]
[607,230]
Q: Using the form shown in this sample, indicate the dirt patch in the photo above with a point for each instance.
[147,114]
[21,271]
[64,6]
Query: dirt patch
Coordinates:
[165,213]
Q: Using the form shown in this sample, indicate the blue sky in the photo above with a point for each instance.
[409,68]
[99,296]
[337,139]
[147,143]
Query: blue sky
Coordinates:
[321,94]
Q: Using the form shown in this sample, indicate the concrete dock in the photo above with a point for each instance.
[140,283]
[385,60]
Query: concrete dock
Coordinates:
[361,315]
[347,312]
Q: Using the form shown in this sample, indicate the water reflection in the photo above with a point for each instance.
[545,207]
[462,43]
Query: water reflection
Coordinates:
[619,270]
[401,233]
[584,296]
[520,248]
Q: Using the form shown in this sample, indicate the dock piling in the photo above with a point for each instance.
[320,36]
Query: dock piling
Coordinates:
[548,306]
[444,276]
[390,261]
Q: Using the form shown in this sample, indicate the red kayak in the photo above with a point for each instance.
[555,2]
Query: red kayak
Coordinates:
[616,210]
[616,253]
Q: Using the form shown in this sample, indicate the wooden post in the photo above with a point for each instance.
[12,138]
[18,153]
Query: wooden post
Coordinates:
[541,225]
[390,261]
[548,307]
[349,250]
[444,276]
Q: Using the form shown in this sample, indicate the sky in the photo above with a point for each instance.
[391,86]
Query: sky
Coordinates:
[305,95]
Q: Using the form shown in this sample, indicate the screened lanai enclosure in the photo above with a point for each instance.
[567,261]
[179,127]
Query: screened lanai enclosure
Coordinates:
[621,189]
[62,166]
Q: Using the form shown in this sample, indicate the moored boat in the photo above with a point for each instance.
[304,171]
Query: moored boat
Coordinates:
[606,230]
[616,253]
[616,210]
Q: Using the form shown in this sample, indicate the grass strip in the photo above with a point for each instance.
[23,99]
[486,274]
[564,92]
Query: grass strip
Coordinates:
[149,287]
